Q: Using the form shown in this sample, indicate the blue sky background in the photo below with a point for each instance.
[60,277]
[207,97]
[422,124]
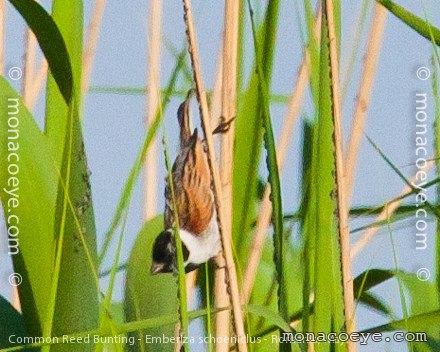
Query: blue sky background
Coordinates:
[114,124]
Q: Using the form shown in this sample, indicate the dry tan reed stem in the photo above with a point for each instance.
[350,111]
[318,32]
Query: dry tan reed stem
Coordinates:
[228,112]
[215,107]
[387,212]
[221,295]
[343,210]
[222,319]
[354,48]
[265,211]
[190,281]
[2,35]
[30,51]
[206,125]
[88,57]
[39,79]
[363,98]
[92,40]
[16,299]
[153,102]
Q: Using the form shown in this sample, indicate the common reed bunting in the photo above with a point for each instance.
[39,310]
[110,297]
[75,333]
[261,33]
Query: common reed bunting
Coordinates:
[194,199]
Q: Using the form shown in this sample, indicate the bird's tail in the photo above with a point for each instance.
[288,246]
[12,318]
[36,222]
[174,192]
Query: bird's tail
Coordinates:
[183,118]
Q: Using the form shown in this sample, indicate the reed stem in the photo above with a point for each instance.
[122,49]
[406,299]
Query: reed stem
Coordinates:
[218,197]
[153,104]
[343,209]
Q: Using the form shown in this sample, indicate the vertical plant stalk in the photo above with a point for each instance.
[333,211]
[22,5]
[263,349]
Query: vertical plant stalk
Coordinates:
[182,326]
[88,57]
[29,64]
[363,98]
[216,96]
[215,108]
[221,296]
[354,50]
[265,211]
[280,243]
[206,125]
[2,35]
[342,209]
[90,45]
[153,103]
[15,302]
[228,112]
[191,280]
[38,81]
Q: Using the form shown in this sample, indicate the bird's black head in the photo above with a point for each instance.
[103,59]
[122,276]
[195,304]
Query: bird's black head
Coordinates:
[163,253]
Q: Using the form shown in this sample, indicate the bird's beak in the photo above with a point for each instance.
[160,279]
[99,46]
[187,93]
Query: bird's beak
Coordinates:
[156,268]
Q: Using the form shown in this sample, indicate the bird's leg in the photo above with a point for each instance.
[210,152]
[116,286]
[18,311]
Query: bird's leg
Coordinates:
[217,266]
[224,126]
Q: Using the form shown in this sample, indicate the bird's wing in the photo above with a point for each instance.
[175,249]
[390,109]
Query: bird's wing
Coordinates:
[192,189]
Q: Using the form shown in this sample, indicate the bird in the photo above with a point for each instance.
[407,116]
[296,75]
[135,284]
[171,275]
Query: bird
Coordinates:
[198,228]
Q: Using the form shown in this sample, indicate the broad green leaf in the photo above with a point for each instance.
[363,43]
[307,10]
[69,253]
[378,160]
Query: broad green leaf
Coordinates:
[11,323]
[366,281]
[37,186]
[75,279]
[370,278]
[261,289]
[313,47]
[77,307]
[414,323]
[418,289]
[269,315]
[308,213]
[148,296]
[328,310]
[372,301]
[248,138]
[51,43]
[413,21]
[264,292]
[279,238]
[68,17]
[428,323]
[117,312]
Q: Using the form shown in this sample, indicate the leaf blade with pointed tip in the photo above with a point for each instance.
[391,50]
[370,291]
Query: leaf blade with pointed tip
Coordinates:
[416,23]
[51,43]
